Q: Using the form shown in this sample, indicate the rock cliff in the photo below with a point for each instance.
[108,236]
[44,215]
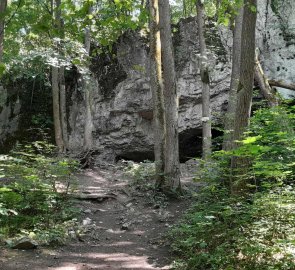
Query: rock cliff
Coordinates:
[123,119]
[122,102]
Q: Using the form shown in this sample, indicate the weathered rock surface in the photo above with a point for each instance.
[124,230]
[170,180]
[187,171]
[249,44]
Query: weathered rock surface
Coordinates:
[277,40]
[123,123]
[24,243]
[122,102]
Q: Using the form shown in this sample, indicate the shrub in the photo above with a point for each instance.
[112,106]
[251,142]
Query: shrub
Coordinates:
[34,184]
[253,230]
[223,232]
[143,173]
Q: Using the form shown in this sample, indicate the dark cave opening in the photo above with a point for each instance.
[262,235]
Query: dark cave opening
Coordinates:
[190,143]
[137,156]
[190,146]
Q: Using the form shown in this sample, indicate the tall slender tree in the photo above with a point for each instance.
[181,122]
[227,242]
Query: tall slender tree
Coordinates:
[228,142]
[172,167]
[244,92]
[88,127]
[56,77]
[156,82]
[61,74]
[3,5]
[56,109]
[205,78]
[247,64]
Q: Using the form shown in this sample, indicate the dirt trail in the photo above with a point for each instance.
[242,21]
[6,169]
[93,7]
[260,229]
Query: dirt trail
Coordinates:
[124,231]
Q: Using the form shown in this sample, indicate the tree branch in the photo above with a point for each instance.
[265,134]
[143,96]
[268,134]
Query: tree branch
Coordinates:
[282,84]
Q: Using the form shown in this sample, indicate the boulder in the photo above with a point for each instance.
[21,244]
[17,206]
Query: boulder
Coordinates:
[23,243]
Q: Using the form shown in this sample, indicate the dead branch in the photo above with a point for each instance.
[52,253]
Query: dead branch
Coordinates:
[282,84]
[264,85]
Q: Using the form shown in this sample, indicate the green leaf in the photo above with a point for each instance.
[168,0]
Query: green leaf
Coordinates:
[2,69]
[249,140]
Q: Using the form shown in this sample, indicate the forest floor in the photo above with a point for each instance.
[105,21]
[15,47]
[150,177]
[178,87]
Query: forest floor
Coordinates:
[124,228]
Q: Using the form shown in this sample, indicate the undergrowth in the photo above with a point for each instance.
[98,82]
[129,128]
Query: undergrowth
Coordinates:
[34,189]
[254,229]
[142,174]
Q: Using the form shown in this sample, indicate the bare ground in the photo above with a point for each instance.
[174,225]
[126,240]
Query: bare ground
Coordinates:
[125,229]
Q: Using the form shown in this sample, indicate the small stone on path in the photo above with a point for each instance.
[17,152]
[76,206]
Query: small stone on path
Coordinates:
[87,221]
[125,226]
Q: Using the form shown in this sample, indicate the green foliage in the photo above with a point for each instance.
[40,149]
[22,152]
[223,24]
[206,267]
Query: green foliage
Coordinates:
[227,10]
[186,8]
[269,145]
[255,230]
[223,232]
[143,174]
[34,188]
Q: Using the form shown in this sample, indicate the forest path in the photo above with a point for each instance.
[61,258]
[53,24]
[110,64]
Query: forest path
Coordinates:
[124,229]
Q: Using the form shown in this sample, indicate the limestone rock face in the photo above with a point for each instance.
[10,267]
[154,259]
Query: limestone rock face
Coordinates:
[122,101]
[276,39]
[123,123]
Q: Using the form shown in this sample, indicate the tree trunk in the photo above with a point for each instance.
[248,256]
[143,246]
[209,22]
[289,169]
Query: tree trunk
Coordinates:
[172,168]
[88,128]
[88,88]
[156,82]
[245,90]
[247,63]
[264,86]
[184,8]
[3,5]
[59,89]
[62,86]
[55,77]
[235,78]
[56,110]
[63,106]
[206,113]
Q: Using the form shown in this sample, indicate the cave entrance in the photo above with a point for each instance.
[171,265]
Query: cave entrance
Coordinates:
[137,156]
[190,143]
[190,146]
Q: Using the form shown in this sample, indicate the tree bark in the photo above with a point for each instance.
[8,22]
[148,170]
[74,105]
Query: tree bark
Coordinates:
[88,128]
[263,83]
[59,89]
[206,113]
[3,5]
[172,167]
[235,78]
[247,63]
[56,109]
[63,106]
[88,88]
[239,165]
[156,82]
[55,97]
